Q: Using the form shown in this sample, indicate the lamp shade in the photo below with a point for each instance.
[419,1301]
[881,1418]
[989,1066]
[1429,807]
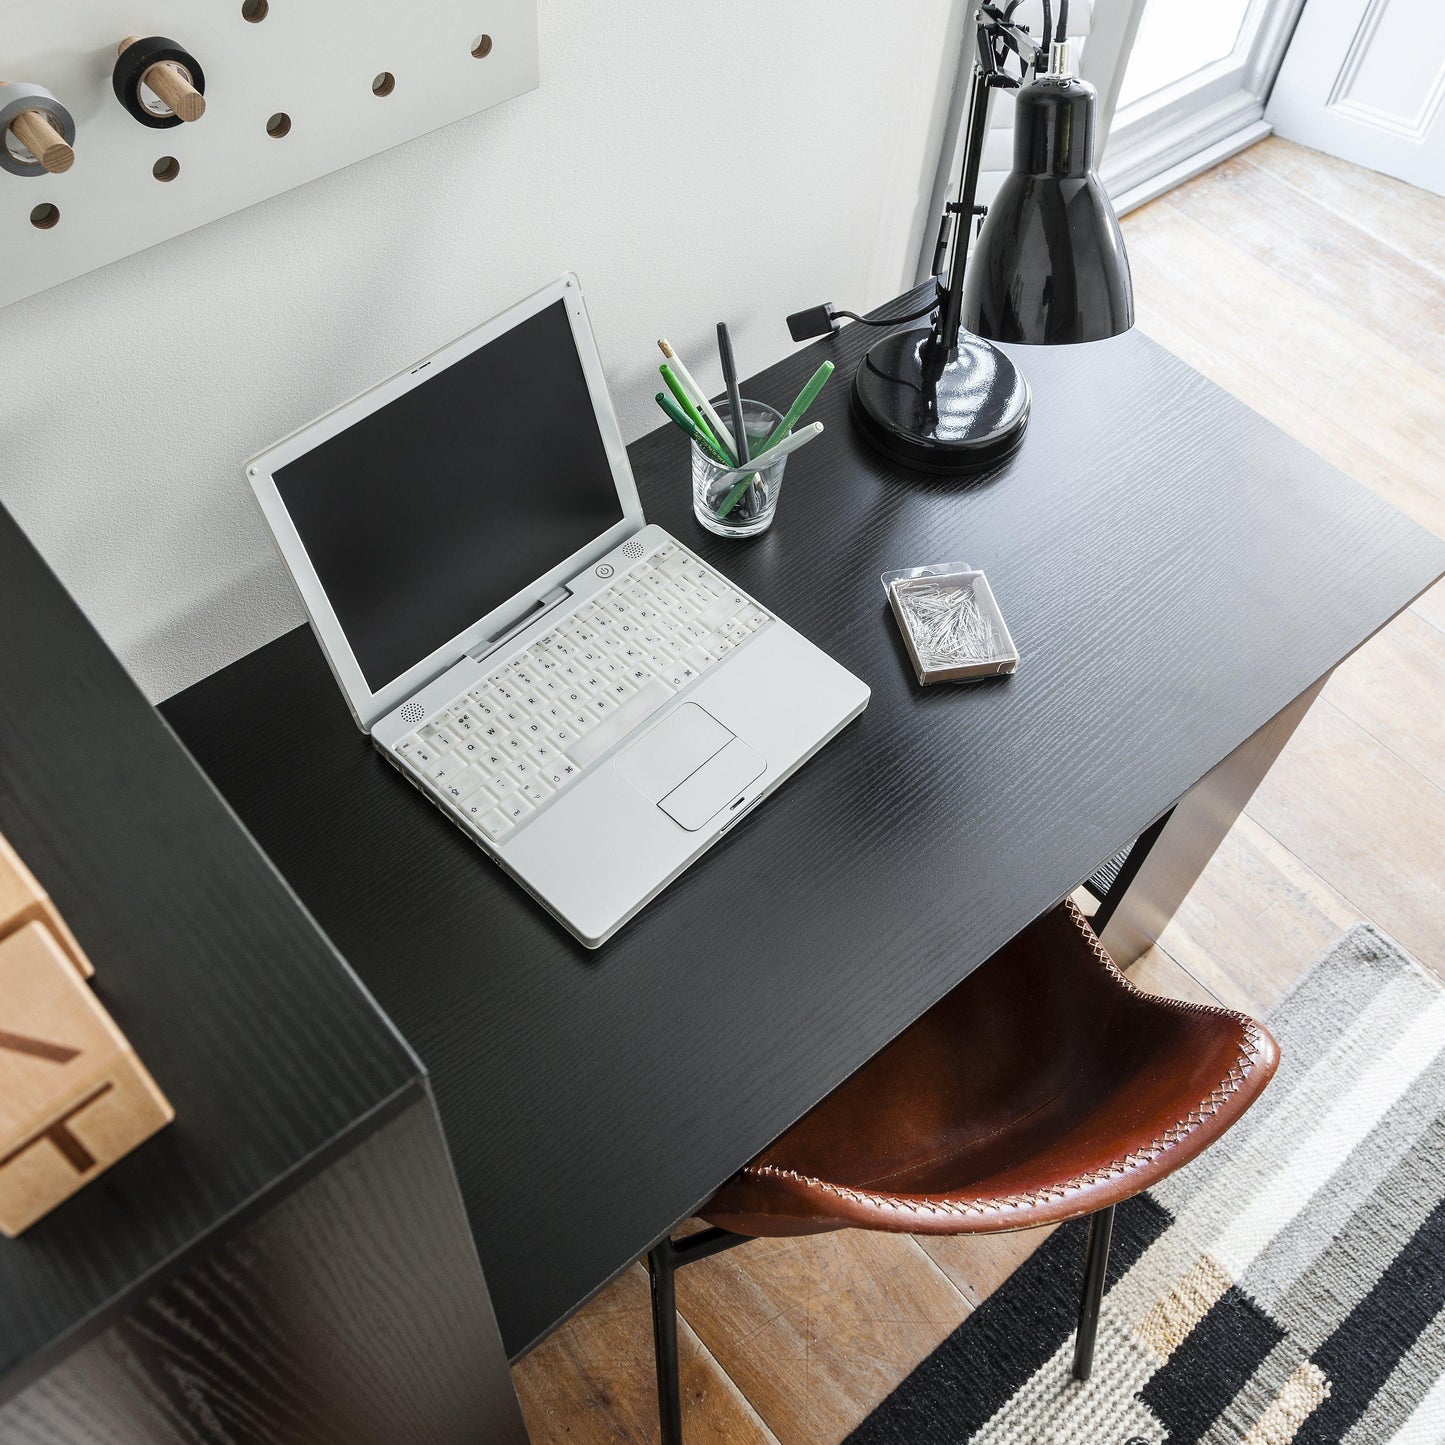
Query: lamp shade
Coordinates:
[1049,265]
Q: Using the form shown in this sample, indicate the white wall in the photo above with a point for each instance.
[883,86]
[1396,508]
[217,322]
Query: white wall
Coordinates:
[132,395]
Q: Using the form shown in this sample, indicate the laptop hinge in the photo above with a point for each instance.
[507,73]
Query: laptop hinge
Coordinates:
[489,645]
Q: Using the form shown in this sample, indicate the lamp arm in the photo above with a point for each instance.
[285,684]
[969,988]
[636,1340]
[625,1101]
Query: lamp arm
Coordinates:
[945,328]
[996,28]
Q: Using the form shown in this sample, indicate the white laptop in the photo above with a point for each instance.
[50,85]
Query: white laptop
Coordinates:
[589,701]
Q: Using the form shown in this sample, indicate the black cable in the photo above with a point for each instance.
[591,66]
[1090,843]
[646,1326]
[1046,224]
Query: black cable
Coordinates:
[887,320]
[1042,58]
[1063,31]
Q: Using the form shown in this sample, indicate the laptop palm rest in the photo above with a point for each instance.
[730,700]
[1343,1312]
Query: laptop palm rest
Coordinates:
[690,765]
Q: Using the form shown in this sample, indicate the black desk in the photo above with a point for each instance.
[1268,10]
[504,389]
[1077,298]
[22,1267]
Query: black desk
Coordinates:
[1178,575]
[223,1278]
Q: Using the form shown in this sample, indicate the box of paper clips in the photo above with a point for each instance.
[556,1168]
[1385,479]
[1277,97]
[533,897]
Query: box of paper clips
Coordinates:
[950,623]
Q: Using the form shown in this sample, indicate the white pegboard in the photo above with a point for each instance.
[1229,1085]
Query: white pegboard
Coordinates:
[313,61]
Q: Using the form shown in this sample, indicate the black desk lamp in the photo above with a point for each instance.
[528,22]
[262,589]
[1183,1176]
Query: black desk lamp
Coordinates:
[1048,267]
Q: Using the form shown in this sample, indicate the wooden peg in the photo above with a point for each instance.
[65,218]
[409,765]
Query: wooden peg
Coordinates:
[43,141]
[169,82]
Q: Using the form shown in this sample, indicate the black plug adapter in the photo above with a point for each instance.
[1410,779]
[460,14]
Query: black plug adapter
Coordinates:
[815,321]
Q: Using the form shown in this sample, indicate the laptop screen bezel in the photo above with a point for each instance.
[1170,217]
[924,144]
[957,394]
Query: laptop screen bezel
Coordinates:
[369,704]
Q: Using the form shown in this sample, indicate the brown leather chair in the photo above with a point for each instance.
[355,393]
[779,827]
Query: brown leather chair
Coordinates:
[1043,1088]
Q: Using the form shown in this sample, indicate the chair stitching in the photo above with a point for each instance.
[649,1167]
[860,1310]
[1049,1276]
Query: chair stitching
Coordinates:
[1250,1047]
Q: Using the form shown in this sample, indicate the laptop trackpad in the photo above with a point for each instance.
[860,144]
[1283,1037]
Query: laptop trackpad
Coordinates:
[675,749]
[713,786]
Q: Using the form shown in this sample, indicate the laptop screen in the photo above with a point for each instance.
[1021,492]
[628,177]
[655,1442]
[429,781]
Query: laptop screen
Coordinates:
[438,507]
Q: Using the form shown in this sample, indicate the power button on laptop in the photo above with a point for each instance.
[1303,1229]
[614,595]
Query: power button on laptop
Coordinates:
[605,569]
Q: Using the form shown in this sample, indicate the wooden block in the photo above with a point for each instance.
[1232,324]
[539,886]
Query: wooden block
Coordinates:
[23,900]
[74,1098]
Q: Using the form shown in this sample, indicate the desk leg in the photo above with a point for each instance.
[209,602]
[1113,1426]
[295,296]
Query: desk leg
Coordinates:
[1177,850]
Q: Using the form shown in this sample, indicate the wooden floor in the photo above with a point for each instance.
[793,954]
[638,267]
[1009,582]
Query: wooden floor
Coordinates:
[1314,291]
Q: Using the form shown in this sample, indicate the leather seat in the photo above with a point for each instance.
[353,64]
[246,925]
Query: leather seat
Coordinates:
[1044,1087]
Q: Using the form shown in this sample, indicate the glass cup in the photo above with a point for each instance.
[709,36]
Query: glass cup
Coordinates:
[738,502]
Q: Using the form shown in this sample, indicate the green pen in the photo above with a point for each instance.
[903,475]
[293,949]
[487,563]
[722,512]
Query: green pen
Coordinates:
[680,420]
[690,410]
[805,399]
[736,495]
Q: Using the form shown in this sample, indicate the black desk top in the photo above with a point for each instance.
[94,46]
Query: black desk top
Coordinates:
[1173,569]
[252,1026]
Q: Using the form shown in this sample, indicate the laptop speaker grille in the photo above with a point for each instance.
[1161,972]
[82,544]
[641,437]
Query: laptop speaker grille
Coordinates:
[633,550]
[412,713]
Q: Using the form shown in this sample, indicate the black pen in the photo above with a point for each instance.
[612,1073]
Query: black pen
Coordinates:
[735,400]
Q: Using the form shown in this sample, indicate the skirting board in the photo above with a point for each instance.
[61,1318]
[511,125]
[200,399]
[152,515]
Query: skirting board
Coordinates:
[294,89]
[1186,170]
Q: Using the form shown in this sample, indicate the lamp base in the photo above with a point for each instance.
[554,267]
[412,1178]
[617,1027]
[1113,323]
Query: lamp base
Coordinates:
[963,411]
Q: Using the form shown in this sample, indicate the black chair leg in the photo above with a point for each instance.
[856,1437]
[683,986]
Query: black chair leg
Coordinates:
[660,1268]
[1096,1264]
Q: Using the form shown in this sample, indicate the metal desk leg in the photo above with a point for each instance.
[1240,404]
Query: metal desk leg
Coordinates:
[1187,838]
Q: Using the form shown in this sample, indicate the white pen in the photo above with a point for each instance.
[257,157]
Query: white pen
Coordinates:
[697,394]
[789,443]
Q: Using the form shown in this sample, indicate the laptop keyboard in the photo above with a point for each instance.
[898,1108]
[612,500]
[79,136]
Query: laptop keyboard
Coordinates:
[501,751]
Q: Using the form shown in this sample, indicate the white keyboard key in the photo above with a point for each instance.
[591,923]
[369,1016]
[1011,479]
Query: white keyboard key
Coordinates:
[515,743]
[619,722]
[446,768]
[537,789]
[621,687]
[535,729]
[501,785]
[581,722]
[754,618]
[562,738]
[408,746]
[543,754]
[480,802]
[719,611]
[494,823]
[464,784]
[696,658]
[440,738]
[516,806]
[513,717]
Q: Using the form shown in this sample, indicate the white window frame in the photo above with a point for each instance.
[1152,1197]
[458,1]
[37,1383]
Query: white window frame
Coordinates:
[1164,138]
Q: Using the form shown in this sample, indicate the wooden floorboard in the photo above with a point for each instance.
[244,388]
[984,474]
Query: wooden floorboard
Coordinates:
[1315,292]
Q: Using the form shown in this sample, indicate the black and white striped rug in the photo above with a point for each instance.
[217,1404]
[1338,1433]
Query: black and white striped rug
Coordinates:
[1288,1286]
